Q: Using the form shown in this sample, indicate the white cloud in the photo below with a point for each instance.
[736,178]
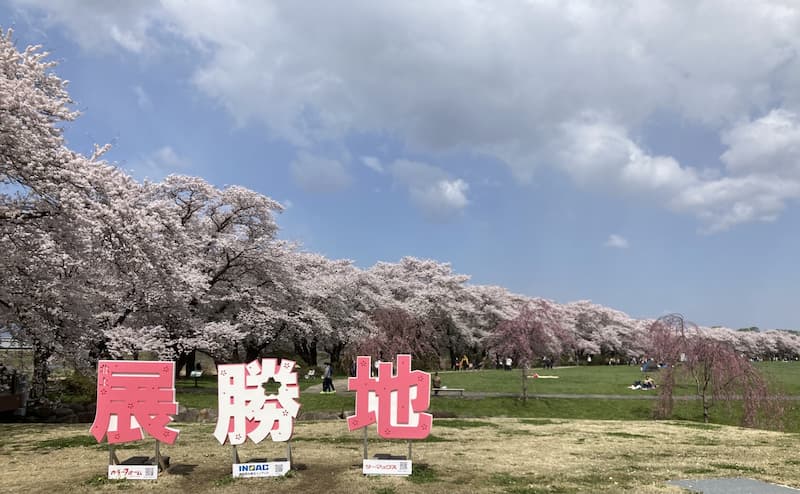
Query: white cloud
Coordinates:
[531,84]
[372,163]
[100,26]
[437,196]
[617,241]
[167,157]
[729,201]
[597,152]
[770,144]
[142,98]
[319,174]
[160,163]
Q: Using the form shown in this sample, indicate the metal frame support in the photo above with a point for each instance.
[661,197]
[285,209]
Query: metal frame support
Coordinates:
[237,459]
[366,445]
[366,455]
[112,455]
[160,459]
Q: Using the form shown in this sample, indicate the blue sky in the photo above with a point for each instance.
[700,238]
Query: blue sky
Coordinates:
[643,155]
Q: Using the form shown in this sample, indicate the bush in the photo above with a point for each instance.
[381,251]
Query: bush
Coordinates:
[76,388]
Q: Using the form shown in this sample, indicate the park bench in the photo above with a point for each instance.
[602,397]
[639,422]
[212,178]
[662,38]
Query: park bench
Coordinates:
[438,391]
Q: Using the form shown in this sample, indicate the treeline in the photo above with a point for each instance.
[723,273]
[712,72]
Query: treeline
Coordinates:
[96,264]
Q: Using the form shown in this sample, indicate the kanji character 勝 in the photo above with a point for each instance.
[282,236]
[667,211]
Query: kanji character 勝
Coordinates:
[394,401]
[244,408]
[132,395]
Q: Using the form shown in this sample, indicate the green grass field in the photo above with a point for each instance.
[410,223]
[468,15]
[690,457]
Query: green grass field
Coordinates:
[612,381]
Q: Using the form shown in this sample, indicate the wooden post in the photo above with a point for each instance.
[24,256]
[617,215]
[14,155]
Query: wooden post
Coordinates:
[409,450]
[235,454]
[289,453]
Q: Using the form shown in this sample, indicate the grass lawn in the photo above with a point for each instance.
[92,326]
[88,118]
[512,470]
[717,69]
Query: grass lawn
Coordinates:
[482,456]
[604,380]
[593,380]
[609,380]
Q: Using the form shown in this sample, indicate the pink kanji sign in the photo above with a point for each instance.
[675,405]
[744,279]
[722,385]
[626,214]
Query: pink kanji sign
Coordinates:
[245,410]
[133,395]
[394,401]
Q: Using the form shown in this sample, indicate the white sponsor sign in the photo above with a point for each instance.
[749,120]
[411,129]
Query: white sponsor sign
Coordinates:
[133,472]
[386,467]
[263,469]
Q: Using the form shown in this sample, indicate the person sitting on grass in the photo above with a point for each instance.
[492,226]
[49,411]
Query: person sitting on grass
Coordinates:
[437,383]
[648,383]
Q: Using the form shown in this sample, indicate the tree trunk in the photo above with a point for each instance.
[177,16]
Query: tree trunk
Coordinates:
[98,351]
[179,363]
[335,351]
[307,350]
[251,352]
[524,369]
[664,405]
[190,362]
[41,370]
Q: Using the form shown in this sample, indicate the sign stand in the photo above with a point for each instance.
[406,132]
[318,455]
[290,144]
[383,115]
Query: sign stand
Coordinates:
[196,374]
[137,467]
[385,463]
[395,392]
[261,467]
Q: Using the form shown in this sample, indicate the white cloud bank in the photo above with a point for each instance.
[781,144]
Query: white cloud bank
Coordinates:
[617,241]
[372,163]
[436,195]
[160,163]
[531,83]
[319,174]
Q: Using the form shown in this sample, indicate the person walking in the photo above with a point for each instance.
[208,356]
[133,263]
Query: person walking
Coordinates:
[327,379]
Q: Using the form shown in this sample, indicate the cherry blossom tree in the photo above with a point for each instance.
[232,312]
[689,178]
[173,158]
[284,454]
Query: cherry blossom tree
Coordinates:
[719,373]
[397,331]
[430,289]
[54,213]
[534,333]
[213,256]
[722,375]
[667,337]
[314,304]
[602,331]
